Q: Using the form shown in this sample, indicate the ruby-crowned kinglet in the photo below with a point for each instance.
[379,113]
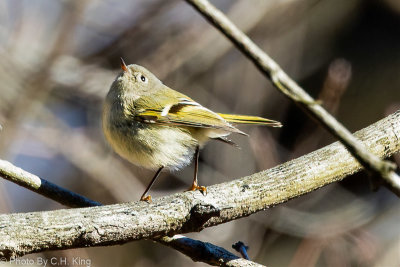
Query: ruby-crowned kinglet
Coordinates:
[155,127]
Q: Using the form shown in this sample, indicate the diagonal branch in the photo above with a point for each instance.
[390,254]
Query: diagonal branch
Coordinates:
[26,233]
[292,90]
[43,187]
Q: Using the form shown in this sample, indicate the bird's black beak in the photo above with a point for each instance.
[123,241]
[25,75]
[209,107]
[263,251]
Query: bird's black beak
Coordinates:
[123,65]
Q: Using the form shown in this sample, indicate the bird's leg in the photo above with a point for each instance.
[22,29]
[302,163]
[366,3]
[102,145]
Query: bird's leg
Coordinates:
[195,186]
[148,198]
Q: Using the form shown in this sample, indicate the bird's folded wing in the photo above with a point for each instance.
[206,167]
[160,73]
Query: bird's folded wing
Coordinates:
[185,113]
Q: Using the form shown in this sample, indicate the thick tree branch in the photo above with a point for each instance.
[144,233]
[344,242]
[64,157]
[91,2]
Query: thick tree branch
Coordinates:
[195,249]
[292,90]
[191,211]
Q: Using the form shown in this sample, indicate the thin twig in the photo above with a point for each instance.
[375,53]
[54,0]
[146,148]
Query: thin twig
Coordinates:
[43,187]
[242,249]
[25,233]
[292,90]
[181,243]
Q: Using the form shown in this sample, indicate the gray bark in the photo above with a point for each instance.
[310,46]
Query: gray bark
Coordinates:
[191,211]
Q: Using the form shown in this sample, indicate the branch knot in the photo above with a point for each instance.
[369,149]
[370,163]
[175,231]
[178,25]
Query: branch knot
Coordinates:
[199,214]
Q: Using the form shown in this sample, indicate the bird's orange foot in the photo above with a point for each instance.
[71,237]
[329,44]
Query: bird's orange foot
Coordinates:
[146,198]
[195,187]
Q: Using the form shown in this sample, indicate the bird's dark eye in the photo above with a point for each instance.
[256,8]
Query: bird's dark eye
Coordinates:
[143,78]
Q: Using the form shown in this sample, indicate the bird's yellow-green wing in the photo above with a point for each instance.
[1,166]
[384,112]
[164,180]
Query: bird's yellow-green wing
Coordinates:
[181,110]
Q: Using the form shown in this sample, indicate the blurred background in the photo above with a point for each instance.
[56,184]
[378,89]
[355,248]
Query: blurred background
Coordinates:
[58,59]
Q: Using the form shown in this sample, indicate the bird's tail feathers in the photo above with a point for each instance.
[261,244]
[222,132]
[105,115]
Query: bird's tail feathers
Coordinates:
[244,119]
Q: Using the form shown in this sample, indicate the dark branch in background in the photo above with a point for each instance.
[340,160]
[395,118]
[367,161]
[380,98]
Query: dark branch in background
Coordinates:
[242,249]
[26,233]
[287,86]
[43,187]
[194,249]
[182,243]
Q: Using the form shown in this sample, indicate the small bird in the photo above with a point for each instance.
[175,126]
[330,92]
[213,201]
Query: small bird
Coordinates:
[156,127]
